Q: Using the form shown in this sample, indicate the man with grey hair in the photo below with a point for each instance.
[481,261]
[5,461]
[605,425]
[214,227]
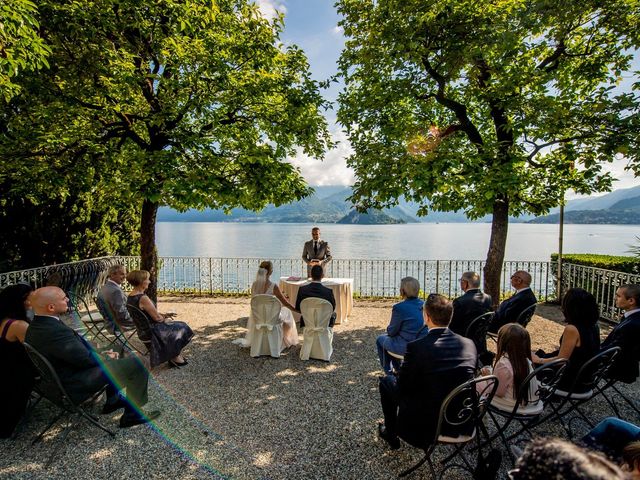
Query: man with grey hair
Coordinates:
[406,324]
[470,305]
[112,301]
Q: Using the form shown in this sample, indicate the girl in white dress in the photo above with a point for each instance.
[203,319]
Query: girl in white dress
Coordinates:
[264,286]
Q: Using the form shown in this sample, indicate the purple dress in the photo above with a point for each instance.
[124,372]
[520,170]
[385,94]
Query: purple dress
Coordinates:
[167,339]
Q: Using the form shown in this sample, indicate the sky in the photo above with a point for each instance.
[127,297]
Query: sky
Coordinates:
[313,26]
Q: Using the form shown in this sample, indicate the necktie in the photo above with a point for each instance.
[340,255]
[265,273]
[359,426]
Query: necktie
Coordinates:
[315,248]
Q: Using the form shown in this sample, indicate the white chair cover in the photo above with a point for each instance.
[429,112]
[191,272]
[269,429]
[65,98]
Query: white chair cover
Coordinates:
[267,334]
[318,337]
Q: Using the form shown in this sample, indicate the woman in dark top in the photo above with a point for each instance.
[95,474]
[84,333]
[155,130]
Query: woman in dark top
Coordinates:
[168,337]
[580,341]
[16,370]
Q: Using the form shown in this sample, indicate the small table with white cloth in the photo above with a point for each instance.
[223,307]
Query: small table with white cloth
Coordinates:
[342,291]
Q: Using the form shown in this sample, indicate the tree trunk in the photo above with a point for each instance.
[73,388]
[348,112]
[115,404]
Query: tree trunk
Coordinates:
[497,244]
[148,251]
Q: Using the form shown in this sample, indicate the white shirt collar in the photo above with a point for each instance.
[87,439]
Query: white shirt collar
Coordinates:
[523,289]
[631,312]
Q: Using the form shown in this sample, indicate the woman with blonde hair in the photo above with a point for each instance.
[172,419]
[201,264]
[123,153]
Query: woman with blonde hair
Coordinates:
[264,286]
[168,337]
[512,365]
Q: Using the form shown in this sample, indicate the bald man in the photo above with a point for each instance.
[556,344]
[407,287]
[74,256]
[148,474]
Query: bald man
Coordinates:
[512,307]
[81,369]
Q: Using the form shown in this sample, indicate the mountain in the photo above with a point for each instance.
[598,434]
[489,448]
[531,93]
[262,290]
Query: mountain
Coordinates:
[371,217]
[329,205]
[625,211]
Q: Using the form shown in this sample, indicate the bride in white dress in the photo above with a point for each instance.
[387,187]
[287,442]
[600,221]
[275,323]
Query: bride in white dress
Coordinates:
[264,286]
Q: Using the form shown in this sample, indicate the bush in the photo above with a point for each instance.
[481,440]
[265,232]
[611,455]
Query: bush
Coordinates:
[608,262]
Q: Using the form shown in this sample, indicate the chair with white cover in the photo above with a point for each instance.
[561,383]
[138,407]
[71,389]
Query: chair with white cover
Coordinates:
[318,336]
[267,334]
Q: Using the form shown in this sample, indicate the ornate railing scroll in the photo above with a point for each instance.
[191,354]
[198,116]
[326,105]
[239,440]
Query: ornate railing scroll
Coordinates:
[600,282]
[83,278]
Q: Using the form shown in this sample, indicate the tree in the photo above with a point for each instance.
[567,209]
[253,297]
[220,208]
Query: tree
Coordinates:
[21,48]
[197,101]
[494,108]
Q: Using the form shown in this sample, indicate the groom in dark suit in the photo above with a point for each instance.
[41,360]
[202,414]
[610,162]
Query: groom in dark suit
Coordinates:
[316,290]
[433,366]
[315,251]
[626,335]
[80,368]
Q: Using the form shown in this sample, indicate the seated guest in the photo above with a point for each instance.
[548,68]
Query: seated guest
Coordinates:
[511,308]
[316,290]
[552,458]
[512,365]
[580,340]
[264,286]
[470,305]
[405,326]
[433,366]
[611,436]
[81,369]
[16,370]
[168,337]
[626,335]
[112,301]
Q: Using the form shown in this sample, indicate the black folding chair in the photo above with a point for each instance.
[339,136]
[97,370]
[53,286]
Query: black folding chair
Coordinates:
[528,410]
[526,315]
[143,327]
[477,331]
[523,319]
[611,384]
[49,386]
[589,376]
[94,325]
[123,337]
[462,410]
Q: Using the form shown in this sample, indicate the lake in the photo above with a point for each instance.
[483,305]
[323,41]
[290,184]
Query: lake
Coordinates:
[424,241]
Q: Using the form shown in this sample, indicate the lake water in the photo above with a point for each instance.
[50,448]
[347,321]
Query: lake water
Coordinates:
[423,241]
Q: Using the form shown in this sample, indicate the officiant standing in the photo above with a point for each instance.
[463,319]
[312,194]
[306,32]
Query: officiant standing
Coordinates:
[316,251]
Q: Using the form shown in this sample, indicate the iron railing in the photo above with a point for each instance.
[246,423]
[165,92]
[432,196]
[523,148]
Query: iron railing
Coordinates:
[371,278]
[600,282]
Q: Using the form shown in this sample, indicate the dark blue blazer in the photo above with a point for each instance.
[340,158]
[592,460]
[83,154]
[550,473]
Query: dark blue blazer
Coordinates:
[433,366]
[625,335]
[73,359]
[511,308]
[316,290]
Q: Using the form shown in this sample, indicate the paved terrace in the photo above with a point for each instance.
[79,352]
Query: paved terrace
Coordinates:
[227,415]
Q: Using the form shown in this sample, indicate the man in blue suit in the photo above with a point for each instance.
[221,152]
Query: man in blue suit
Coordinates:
[626,335]
[511,308]
[406,324]
[433,366]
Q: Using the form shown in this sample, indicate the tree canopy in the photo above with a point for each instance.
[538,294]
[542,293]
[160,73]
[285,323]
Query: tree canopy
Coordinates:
[190,103]
[495,108]
[21,48]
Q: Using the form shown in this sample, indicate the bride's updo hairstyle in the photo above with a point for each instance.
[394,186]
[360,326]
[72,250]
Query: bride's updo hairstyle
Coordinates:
[267,265]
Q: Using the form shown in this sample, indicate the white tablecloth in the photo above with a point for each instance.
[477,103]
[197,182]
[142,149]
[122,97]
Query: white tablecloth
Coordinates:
[342,291]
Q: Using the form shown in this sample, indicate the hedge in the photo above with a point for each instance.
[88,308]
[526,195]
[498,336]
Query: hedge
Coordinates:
[608,262]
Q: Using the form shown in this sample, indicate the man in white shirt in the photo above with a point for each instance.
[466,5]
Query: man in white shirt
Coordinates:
[512,307]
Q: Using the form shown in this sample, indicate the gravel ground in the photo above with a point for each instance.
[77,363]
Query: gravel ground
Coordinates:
[227,415]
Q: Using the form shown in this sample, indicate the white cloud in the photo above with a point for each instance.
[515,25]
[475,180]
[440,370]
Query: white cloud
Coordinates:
[337,31]
[333,169]
[271,8]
